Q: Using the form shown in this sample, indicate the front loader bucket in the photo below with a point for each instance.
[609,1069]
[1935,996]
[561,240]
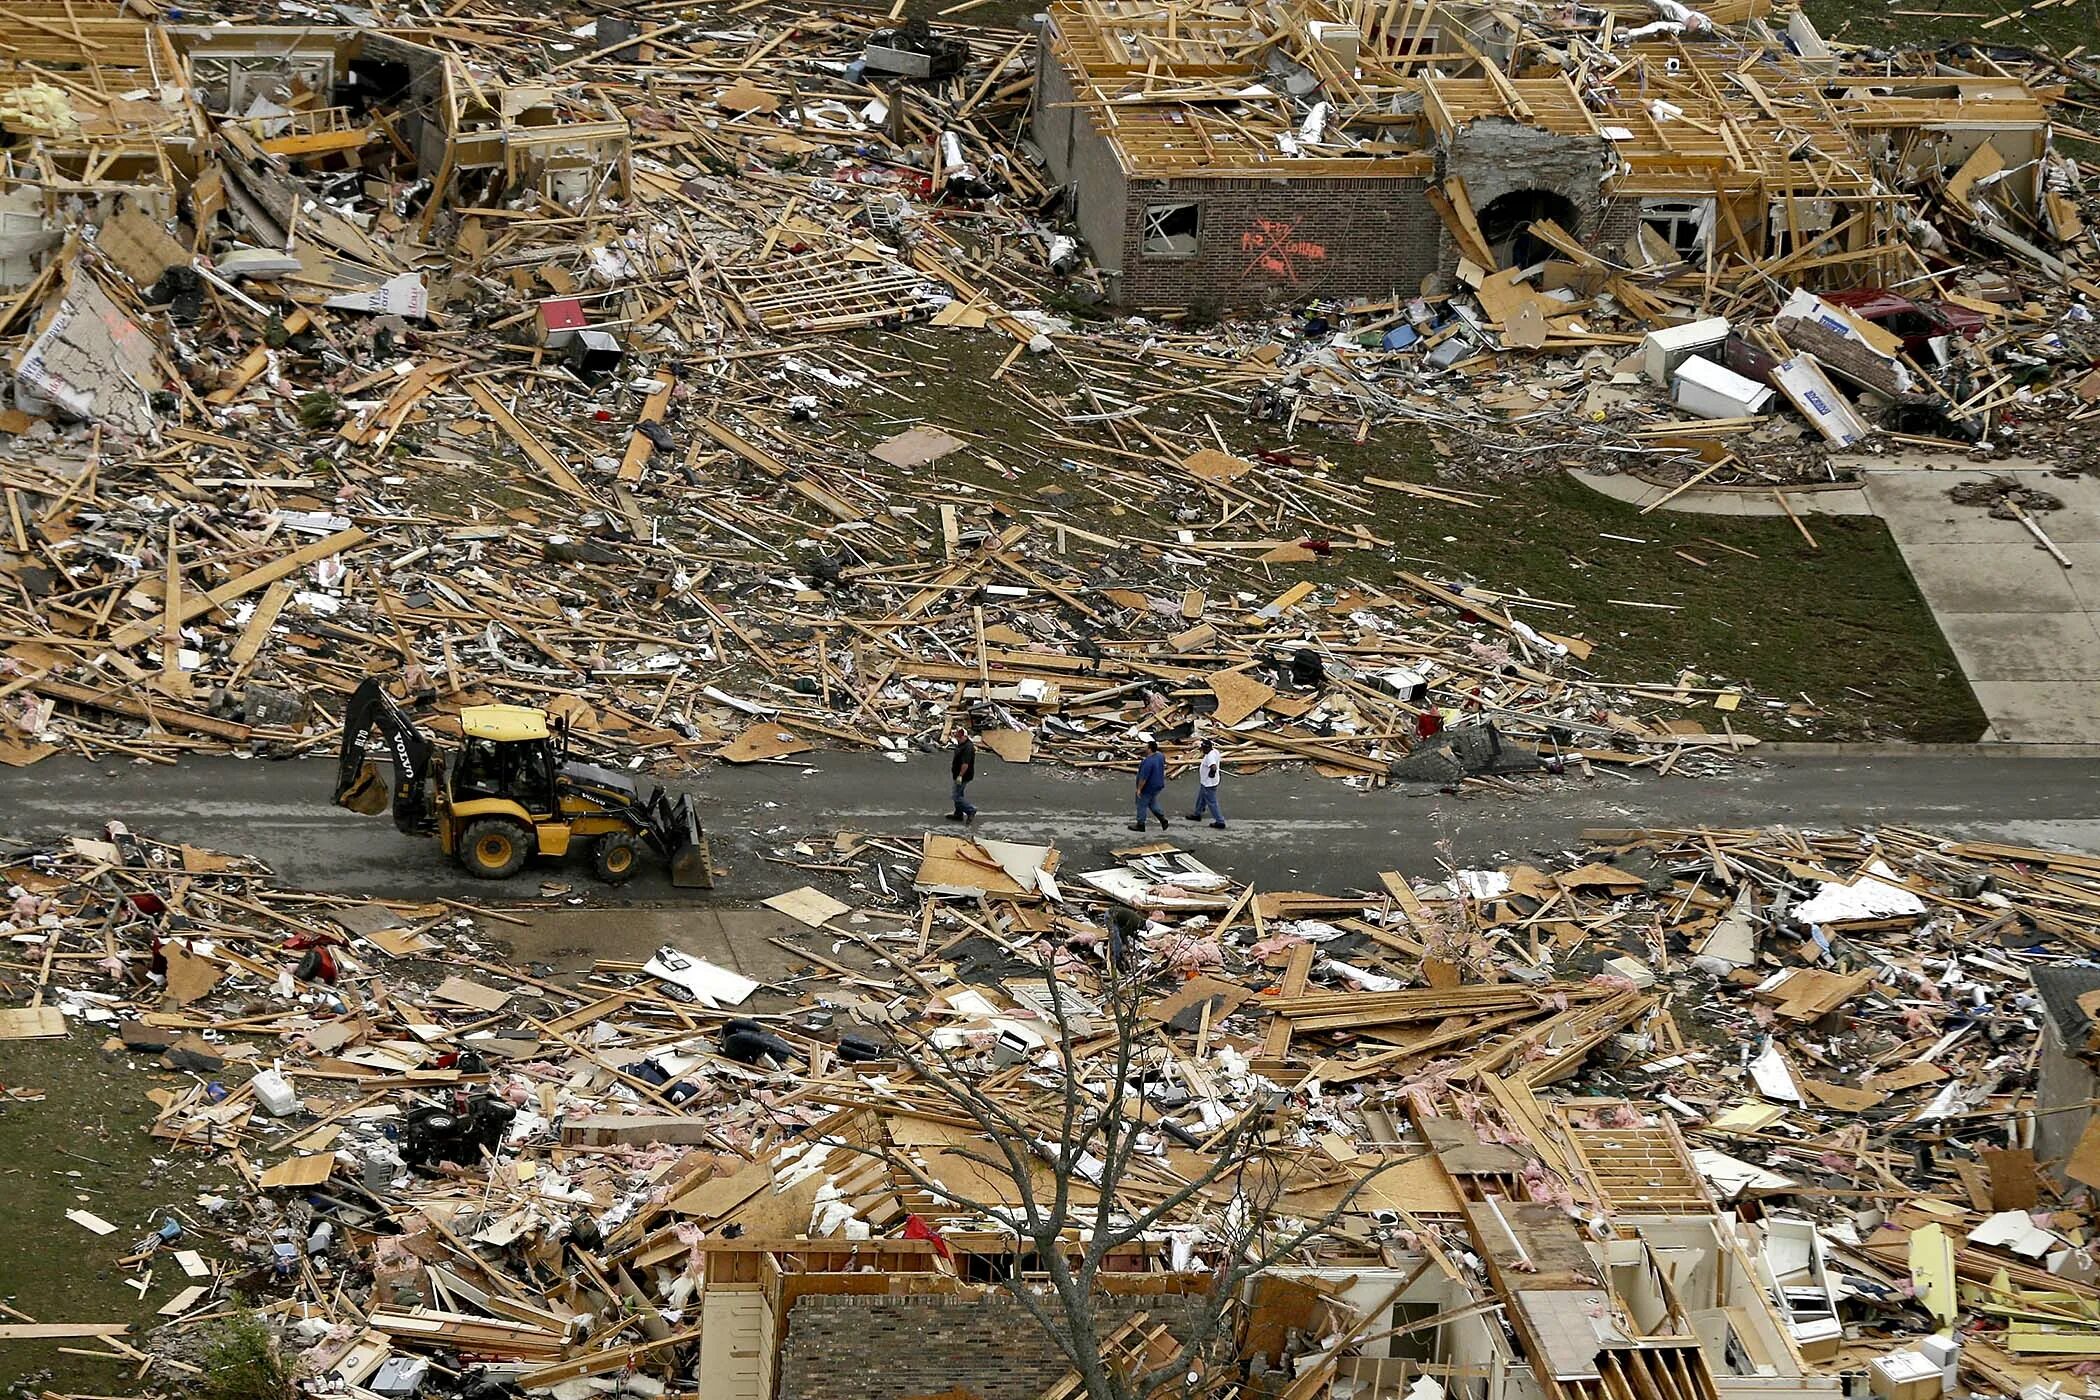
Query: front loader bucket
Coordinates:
[686,854]
[366,795]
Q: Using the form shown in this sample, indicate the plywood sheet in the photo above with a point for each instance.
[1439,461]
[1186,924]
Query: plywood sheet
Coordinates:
[1012,745]
[463,991]
[1239,695]
[808,905]
[31,1023]
[949,864]
[310,1170]
[762,741]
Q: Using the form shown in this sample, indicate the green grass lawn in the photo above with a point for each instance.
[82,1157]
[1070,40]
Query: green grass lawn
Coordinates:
[1840,623]
[2058,28]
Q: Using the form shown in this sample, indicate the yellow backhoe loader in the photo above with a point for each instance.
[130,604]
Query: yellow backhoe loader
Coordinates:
[510,792]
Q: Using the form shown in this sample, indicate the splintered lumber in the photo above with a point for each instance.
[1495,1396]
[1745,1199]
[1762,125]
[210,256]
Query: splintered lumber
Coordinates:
[772,466]
[1324,1011]
[597,1363]
[169,717]
[639,445]
[540,454]
[59,1331]
[428,1327]
[197,605]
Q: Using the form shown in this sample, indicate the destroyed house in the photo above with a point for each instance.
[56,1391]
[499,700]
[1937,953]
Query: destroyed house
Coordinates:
[100,108]
[1354,150]
[1596,1266]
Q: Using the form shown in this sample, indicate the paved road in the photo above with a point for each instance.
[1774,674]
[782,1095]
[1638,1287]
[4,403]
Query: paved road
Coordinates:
[1289,830]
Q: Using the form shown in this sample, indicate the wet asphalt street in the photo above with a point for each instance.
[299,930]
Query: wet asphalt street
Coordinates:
[1288,829]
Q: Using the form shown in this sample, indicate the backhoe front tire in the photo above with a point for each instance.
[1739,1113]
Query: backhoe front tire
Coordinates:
[494,848]
[616,857]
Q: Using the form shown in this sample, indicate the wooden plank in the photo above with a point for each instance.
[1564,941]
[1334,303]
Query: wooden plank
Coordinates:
[542,456]
[259,624]
[196,605]
[1277,1043]
[639,447]
[170,717]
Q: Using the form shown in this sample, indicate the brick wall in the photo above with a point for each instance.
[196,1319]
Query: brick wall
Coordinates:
[1615,224]
[874,1347]
[1265,241]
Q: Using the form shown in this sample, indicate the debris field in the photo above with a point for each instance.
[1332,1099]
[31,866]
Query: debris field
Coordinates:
[1788,1111]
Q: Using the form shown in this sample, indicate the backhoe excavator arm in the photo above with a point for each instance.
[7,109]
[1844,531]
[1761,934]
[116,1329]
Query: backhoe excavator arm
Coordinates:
[358,785]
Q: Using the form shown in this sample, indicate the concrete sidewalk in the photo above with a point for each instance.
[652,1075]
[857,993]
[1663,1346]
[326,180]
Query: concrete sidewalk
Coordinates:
[2025,629]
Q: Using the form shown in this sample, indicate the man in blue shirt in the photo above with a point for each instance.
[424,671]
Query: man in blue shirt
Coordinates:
[1151,782]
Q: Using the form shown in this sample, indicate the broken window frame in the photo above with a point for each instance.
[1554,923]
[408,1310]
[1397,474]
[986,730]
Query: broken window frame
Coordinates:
[1153,229]
[1687,225]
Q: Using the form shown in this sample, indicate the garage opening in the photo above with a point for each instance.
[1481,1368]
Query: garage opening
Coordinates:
[1506,225]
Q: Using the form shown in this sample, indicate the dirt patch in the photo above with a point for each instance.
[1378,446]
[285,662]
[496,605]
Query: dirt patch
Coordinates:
[2001,494]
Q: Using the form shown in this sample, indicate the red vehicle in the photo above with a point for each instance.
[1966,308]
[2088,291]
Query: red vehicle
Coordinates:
[1916,321]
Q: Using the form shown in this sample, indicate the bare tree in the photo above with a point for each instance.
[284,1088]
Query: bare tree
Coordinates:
[1072,1156]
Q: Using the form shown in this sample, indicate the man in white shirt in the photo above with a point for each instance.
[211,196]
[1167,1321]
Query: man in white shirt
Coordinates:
[1208,771]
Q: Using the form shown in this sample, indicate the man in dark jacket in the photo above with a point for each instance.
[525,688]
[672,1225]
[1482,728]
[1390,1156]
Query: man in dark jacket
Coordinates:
[1151,782]
[961,769]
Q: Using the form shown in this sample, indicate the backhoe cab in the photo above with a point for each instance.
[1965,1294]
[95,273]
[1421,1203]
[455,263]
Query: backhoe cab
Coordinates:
[510,792]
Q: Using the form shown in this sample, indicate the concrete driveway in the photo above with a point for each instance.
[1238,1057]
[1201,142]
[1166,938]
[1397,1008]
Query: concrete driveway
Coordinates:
[2025,629]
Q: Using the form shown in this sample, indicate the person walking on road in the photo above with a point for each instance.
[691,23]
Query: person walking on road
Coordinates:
[961,769]
[1151,782]
[1207,774]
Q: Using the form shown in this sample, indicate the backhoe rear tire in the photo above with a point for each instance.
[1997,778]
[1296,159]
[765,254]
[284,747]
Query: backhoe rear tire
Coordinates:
[616,857]
[494,848]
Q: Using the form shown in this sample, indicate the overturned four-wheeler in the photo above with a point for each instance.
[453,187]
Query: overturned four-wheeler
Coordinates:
[510,792]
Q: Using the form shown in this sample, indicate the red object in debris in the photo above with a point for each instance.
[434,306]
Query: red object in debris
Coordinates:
[1321,547]
[559,319]
[1429,724]
[1916,321]
[916,1228]
[603,415]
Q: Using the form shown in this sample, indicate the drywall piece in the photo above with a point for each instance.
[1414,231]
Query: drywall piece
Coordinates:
[89,361]
[401,295]
[708,984]
[1876,894]
[1730,1176]
[1775,1080]
[2014,1230]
